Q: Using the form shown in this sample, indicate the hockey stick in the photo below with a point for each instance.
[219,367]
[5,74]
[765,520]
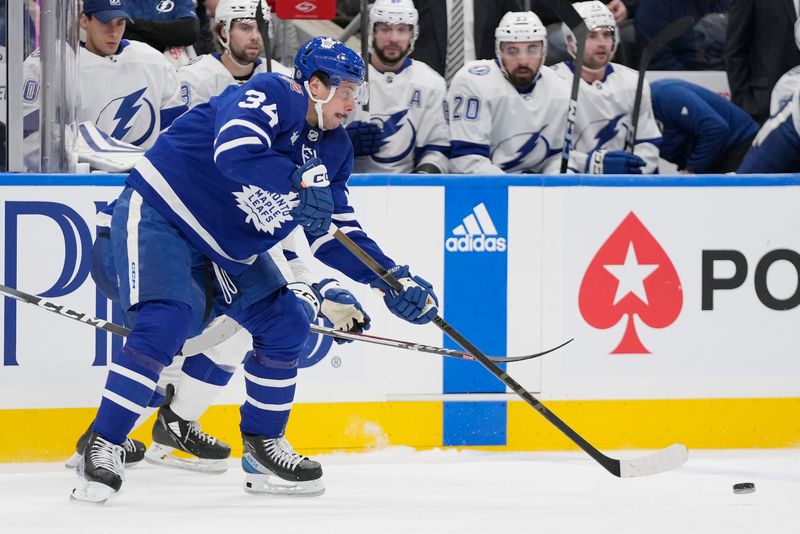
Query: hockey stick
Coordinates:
[657,462]
[407,345]
[263,29]
[365,44]
[572,18]
[671,32]
[219,332]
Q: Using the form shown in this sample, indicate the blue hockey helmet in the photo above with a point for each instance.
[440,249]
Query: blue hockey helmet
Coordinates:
[326,54]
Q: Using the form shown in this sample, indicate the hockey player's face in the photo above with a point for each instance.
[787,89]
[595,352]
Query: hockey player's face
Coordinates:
[391,42]
[245,41]
[522,61]
[102,39]
[340,106]
[599,44]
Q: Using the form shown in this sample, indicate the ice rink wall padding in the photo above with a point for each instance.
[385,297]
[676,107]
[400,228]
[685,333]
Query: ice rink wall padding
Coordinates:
[681,293]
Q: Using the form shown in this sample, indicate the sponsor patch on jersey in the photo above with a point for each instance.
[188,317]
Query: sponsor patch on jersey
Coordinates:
[479,70]
[294,86]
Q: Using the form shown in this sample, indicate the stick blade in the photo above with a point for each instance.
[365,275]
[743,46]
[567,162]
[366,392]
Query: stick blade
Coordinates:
[657,462]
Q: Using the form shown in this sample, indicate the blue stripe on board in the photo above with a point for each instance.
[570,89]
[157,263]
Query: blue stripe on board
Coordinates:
[475,287]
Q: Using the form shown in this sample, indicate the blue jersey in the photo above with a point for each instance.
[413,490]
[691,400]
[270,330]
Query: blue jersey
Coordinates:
[160,9]
[698,125]
[222,174]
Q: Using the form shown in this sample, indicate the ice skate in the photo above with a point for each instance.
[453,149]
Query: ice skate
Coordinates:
[134,451]
[271,466]
[171,433]
[101,471]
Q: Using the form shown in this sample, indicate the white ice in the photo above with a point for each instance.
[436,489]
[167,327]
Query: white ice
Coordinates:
[402,490]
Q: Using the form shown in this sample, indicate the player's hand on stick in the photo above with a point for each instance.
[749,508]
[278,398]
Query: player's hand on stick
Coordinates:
[341,308]
[307,297]
[315,201]
[365,136]
[613,162]
[417,303]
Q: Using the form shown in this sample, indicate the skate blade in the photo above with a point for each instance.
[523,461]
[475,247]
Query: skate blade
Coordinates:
[161,455]
[86,492]
[256,484]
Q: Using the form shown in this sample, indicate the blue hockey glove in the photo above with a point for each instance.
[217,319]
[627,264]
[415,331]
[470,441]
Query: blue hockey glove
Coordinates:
[613,162]
[365,136]
[307,297]
[315,201]
[417,303]
[341,308]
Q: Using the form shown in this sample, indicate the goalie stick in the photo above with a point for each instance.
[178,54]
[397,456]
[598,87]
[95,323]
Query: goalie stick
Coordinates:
[671,32]
[576,24]
[218,332]
[657,462]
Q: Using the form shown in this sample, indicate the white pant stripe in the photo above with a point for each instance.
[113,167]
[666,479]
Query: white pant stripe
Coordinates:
[270,382]
[133,375]
[132,244]
[123,402]
[269,407]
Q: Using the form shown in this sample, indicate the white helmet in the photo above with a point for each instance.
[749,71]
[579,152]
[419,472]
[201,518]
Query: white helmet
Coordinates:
[394,12]
[596,15]
[229,10]
[797,32]
[520,27]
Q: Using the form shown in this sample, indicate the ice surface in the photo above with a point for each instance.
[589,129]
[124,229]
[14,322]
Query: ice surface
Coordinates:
[402,490]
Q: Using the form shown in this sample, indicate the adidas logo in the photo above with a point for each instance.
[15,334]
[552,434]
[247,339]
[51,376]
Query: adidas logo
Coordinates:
[476,234]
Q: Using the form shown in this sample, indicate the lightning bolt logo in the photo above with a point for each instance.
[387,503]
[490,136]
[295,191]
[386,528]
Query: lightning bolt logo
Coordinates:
[527,148]
[607,132]
[127,115]
[391,126]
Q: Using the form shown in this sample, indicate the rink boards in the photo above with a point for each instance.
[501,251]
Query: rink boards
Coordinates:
[681,294]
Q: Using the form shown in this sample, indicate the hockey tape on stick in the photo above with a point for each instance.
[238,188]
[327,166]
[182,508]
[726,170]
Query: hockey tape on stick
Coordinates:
[671,32]
[657,462]
[224,328]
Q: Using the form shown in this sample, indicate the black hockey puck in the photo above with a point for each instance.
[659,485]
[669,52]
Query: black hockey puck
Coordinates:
[744,487]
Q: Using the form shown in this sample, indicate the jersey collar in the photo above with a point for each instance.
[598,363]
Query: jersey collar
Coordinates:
[404,66]
[523,90]
[609,68]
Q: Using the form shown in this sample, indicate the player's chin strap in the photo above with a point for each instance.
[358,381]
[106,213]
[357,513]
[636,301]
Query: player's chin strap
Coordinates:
[319,103]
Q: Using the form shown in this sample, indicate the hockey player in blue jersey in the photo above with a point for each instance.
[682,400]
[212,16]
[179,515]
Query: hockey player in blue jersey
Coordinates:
[226,182]
[776,147]
[702,132]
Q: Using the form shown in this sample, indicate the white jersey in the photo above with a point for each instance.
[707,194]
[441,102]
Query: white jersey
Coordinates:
[784,90]
[206,76]
[605,110]
[131,95]
[494,128]
[409,106]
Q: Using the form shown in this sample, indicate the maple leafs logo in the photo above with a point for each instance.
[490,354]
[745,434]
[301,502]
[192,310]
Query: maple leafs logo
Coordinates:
[630,275]
[265,209]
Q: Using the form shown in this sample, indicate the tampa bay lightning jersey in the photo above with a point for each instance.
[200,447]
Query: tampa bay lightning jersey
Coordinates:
[222,174]
[409,106]
[784,89]
[495,128]
[205,76]
[604,114]
[160,9]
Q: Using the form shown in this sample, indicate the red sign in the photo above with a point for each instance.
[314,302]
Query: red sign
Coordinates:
[305,9]
[630,275]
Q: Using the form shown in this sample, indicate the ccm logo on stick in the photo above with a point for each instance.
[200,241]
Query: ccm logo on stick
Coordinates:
[712,283]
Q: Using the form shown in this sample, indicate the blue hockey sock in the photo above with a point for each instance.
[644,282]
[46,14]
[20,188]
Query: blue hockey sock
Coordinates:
[270,393]
[131,381]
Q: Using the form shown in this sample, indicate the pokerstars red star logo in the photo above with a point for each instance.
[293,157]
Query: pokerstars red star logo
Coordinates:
[630,275]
